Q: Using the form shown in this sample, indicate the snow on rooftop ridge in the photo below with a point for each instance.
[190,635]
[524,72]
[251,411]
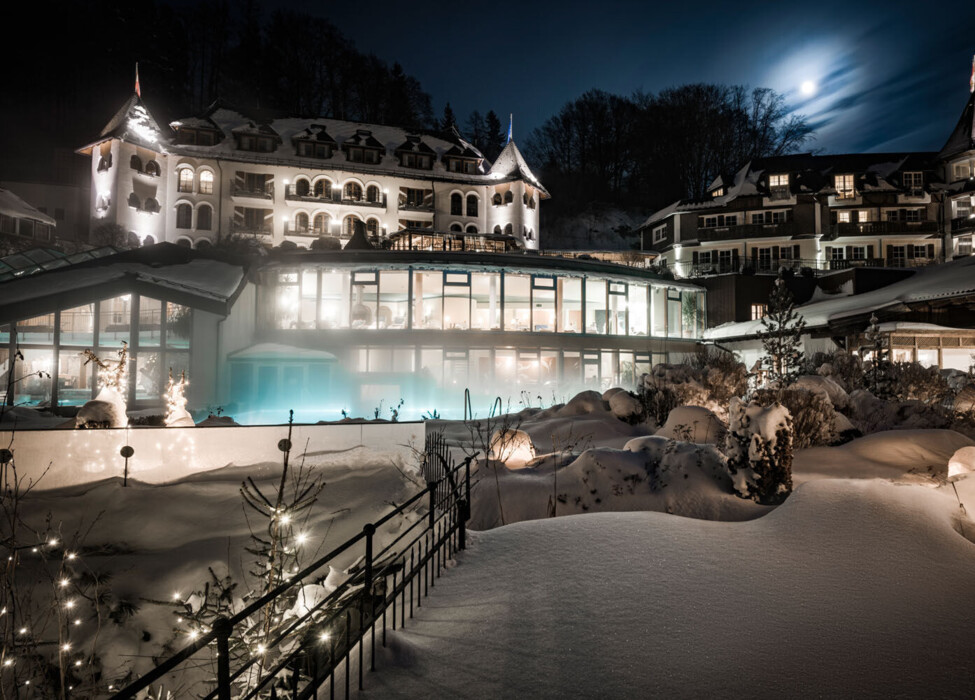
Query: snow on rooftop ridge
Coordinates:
[13,206]
[133,122]
[511,162]
[963,136]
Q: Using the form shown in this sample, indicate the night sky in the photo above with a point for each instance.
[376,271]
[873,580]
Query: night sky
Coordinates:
[888,75]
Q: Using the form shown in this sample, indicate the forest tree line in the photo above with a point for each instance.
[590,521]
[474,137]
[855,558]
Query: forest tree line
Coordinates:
[643,150]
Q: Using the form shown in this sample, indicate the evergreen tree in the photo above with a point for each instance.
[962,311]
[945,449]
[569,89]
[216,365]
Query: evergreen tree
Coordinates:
[449,121]
[878,377]
[782,336]
[494,136]
[476,130]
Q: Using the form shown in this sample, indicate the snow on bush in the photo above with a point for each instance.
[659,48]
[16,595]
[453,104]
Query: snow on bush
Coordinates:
[108,408]
[836,394]
[626,407]
[813,415]
[760,451]
[840,366]
[512,446]
[962,462]
[693,424]
[709,378]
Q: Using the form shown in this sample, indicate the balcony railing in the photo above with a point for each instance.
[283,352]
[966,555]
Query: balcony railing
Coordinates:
[765,266]
[415,206]
[265,191]
[881,228]
[727,233]
[963,223]
[246,229]
[334,196]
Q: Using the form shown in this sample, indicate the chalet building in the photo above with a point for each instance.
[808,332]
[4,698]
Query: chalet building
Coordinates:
[22,225]
[203,178]
[826,212]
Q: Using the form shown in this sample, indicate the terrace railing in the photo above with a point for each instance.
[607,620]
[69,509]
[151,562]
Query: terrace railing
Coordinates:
[320,646]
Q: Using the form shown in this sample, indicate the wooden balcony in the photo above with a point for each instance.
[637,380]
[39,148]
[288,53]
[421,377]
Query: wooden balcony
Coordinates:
[743,231]
[881,228]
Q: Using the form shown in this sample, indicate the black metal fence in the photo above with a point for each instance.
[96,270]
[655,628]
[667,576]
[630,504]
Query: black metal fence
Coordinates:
[320,647]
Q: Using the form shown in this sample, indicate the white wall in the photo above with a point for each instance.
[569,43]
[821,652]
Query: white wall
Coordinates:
[74,457]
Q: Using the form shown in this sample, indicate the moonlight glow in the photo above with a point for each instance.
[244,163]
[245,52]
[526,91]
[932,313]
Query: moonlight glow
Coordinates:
[808,87]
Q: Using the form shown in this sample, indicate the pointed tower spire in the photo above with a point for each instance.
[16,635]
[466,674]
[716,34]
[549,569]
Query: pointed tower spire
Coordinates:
[511,123]
[971,81]
[138,90]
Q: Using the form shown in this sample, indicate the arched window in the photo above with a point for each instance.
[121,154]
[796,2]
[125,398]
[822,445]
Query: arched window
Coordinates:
[472,205]
[524,199]
[348,225]
[103,202]
[496,199]
[203,244]
[148,240]
[135,162]
[372,194]
[206,182]
[353,191]
[301,187]
[185,180]
[152,168]
[508,229]
[472,228]
[301,222]
[184,216]
[151,205]
[372,228]
[320,223]
[323,188]
[456,204]
[104,163]
[456,228]
[531,234]
[204,218]
[497,230]
[531,203]
[185,242]
[509,197]
[134,201]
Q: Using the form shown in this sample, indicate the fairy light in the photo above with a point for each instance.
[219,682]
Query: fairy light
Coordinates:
[176,596]
[70,556]
[69,604]
[77,622]
[64,583]
[77,663]
[284,518]
[261,649]
[22,630]
[194,634]
[301,538]
[8,662]
[323,636]
[52,543]
[66,646]
[175,398]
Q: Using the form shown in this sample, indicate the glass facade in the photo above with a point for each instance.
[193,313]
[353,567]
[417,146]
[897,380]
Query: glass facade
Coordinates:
[54,371]
[456,299]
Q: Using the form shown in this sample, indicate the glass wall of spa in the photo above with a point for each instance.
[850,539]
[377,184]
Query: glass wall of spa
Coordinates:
[54,370]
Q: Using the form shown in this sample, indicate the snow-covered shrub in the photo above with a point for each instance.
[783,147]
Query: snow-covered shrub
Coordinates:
[910,381]
[842,367]
[693,424]
[813,414]
[759,449]
[512,446]
[626,406]
[721,374]
[108,408]
[176,414]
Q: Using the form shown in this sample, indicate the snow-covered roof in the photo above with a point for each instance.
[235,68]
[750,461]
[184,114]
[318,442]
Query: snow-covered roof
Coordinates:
[134,123]
[809,174]
[198,280]
[952,279]
[963,136]
[511,163]
[13,206]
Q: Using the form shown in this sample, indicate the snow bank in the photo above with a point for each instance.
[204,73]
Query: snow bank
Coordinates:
[900,455]
[849,589]
[694,424]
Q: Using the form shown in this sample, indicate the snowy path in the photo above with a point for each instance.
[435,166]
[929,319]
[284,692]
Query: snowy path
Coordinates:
[849,589]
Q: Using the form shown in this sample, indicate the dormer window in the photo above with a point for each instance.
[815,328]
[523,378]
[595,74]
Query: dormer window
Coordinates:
[914,183]
[779,186]
[363,155]
[961,171]
[844,186]
[309,149]
[461,165]
[419,161]
[256,144]
[718,192]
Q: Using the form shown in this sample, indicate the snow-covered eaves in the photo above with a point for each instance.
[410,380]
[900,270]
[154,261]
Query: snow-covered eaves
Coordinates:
[13,206]
[511,165]
[928,284]
[163,271]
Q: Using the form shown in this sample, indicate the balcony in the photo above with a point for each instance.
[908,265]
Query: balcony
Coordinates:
[881,228]
[333,197]
[416,206]
[729,233]
[246,229]
[963,223]
[265,191]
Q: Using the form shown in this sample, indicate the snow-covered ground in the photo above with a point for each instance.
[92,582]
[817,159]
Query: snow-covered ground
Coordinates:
[849,589]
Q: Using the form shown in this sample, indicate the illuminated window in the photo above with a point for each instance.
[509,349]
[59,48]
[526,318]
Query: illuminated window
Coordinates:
[206,182]
[301,222]
[659,233]
[353,191]
[843,217]
[320,223]
[372,194]
[778,180]
[759,311]
[323,188]
[844,186]
[185,180]
[913,182]
[961,171]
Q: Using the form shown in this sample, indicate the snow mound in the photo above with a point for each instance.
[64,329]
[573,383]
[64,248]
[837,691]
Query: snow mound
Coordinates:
[901,455]
[625,406]
[105,410]
[512,446]
[583,402]
[858,576]
[962,462]
[693,424]
[824,386]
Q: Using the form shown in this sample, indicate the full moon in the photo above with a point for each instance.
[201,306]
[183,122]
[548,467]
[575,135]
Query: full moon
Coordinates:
[808,87]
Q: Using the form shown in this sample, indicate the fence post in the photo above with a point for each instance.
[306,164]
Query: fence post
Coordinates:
[223,629]
[462,531]
[369,529]
[432,487]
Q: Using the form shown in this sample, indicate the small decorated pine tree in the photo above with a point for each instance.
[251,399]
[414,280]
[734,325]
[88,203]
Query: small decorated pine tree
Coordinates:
[782,337]
[108,409]
[176,414]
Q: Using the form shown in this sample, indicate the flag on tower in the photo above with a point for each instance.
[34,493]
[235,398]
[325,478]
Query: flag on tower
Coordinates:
[138,90]
[511,121]
[971,81]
